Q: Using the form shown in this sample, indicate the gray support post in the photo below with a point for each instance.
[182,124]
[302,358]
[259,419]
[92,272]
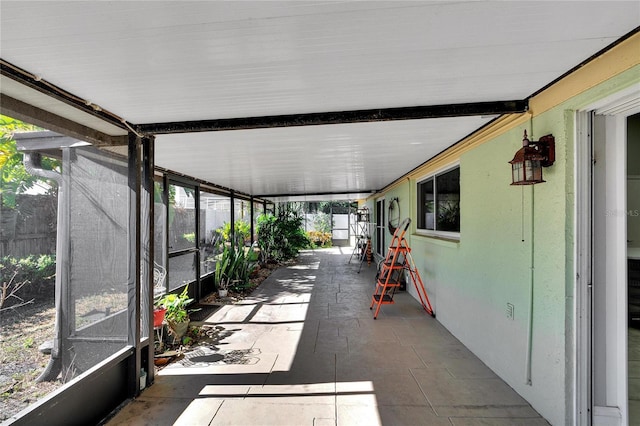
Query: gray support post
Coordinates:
[252,214]
[133,305]
[232,213]
[148,173]
[196,200]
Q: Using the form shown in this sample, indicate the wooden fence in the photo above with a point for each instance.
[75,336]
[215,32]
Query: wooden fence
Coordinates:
[30,228]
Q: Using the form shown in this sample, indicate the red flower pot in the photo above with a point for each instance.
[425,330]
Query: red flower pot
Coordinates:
[158,316]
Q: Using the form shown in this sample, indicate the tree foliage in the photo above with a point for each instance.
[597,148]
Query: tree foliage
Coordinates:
[14,178]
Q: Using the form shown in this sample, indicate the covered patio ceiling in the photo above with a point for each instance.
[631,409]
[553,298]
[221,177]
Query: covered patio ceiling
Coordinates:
[341,73]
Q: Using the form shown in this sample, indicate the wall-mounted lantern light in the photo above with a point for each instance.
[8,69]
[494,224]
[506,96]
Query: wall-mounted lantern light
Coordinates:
[527,164]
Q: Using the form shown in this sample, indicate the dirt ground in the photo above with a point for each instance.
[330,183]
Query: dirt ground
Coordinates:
[24,329]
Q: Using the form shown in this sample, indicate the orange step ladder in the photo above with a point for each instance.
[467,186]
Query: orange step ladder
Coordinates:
[389,279]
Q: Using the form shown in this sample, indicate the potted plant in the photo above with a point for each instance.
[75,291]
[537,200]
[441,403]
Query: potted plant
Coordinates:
[220,274]
[158,316]
[176,315]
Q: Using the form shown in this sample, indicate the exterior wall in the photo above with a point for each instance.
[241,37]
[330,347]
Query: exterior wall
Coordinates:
[516,246]
[511,239]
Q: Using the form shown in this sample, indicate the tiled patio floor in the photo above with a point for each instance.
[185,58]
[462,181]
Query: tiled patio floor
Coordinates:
[305,350]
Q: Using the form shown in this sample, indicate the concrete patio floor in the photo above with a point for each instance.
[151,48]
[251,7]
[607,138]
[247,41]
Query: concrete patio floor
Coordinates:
[304,350]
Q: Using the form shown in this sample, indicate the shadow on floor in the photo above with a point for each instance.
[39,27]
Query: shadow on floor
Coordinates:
[304,349]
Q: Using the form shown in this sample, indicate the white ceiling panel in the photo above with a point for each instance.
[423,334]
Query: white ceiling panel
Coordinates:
[312,159]
[161,61]
[168,61]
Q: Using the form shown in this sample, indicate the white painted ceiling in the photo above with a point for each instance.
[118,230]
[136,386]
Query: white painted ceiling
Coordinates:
[152,62]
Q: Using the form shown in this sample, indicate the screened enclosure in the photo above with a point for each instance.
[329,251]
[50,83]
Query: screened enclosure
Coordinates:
[94,300]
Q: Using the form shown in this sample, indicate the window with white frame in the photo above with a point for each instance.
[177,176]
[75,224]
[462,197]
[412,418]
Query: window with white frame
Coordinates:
[439,202]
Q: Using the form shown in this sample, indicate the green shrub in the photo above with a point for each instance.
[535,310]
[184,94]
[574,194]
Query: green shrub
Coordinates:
[242,231]
[234,266]
[34,275]
[282,236]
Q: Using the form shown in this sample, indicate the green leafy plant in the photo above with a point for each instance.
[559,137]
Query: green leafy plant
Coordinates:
[449,216]
[25,278]
[176,306]
[281,236]
[220,274]
[234,265]
[241,229]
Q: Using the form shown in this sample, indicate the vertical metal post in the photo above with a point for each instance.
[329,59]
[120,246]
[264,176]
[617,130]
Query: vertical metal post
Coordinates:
[65,306]
[133,376]
[232,212]
[148,184]
[165,254]
[252,214]
[331,218]
[196,201]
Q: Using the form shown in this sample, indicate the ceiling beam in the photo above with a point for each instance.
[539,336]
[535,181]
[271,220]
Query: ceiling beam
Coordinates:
[337,117]
[33,115]
[208,186]
[315,194]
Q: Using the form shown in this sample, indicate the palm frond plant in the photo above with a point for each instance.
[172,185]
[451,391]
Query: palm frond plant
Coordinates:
[220,274]
[234,266]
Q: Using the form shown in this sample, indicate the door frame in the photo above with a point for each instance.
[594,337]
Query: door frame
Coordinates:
[380,226]
[613,111]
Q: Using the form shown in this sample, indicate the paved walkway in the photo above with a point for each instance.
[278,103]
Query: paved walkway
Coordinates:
[305,350]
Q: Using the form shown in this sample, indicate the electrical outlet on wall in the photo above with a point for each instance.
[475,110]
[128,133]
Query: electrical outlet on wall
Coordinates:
[510,311]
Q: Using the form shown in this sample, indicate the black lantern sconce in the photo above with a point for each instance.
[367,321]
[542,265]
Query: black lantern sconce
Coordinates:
[527,164]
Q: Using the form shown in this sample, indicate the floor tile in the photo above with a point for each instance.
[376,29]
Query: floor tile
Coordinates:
[441,388]
[381,389]
[151,412]
[487,411]
[199,412]
[358,415]
[410,415]
[304,349]
[380,356]
[498,422]
[253,411]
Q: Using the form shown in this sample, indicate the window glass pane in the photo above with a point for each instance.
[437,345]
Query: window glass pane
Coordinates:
[448,201]
[182,270]
[182,218]
[426,211]
[214,214]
